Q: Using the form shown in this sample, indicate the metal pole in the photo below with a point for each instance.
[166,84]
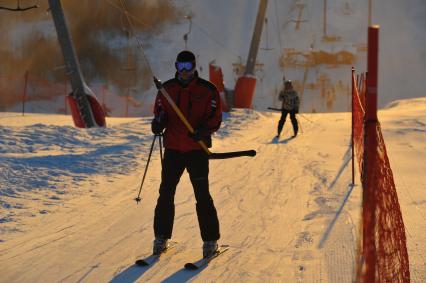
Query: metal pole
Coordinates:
[352,127]
[24,94]
[126,106]
[372,69]
[370,6]
[65,97]
[138,198]
[370,145]
[161,149]
[103,95]
[325,19]
[185,36]
[79,87]
[255,41]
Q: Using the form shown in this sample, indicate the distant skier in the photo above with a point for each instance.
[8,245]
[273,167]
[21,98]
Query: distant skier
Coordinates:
[290,105]
[199,101]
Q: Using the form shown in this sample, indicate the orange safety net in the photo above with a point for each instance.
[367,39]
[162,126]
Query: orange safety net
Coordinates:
[384,252]
[385,244]
[16,89]
[36,94]
[358,112]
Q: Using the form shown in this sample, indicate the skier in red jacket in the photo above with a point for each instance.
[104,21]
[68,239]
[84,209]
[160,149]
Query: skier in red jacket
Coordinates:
[199,101]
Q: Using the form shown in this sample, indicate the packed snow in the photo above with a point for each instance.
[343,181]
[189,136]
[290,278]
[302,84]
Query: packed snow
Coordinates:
[289,214]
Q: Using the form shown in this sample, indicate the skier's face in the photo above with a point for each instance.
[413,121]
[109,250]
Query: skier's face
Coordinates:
[185,74]
[288,86]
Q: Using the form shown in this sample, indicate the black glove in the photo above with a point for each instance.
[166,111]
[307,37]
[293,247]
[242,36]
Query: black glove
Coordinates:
[199,133]
[158,124]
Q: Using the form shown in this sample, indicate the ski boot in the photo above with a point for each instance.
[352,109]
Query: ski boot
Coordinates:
[278,135]
[209,248]
[159,246]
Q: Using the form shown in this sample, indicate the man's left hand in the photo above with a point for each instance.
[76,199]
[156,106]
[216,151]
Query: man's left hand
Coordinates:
[198,134]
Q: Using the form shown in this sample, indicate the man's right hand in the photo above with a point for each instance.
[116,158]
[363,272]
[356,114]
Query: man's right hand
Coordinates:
[158,124]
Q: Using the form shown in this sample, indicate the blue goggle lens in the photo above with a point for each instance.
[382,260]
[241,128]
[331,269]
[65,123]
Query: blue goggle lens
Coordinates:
[180,66]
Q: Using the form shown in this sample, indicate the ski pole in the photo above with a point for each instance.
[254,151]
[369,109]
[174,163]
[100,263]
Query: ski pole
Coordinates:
[305,118]
[138,199]
[300,126]
[278,109]
[161,149]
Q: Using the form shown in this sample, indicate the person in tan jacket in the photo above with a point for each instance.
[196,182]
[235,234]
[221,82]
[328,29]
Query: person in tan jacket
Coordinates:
[290,105]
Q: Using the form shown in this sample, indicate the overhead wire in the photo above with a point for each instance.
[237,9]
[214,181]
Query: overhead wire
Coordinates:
[130,18]
[214,39]
[203,31]
[278,25]
[134,18]
[132,34]
[280,41]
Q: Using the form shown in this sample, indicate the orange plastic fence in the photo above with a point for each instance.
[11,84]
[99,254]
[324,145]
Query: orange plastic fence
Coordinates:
[384,252]
[385,245]
[358,113]
[35,94]
[12,89]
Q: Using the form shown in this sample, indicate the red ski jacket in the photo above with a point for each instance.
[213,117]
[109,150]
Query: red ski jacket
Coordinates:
[199,102]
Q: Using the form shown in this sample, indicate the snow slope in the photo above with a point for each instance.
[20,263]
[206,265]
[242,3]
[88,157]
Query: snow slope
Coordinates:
[289,214]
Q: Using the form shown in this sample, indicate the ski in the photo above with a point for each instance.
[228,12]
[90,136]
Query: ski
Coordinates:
[205,261]
[276,140]
[154,257]
[275,109]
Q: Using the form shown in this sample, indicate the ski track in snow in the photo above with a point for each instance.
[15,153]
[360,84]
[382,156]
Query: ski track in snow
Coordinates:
[288,214]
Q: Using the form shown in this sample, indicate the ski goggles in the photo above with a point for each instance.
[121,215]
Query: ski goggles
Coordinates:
[180,66]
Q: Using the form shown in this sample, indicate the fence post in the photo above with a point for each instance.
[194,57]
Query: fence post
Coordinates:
[370,149]
[65,97]
[372,69]
[352,126]
[24,94]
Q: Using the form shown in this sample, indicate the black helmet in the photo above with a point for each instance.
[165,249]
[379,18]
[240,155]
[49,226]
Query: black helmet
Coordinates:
[185,60]
[287,82]
[186,56]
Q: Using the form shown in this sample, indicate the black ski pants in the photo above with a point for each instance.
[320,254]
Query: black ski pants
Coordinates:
[197,164]
[292,118]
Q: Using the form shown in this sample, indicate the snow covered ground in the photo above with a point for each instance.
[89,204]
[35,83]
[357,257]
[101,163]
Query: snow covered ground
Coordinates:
[289,214]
